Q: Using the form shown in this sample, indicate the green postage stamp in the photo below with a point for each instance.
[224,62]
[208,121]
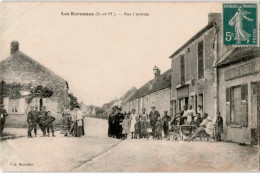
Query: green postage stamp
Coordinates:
[240,24]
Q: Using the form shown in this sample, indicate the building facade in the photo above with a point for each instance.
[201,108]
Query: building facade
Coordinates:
[156,93]
[194,69]
[26,73]
[239,94]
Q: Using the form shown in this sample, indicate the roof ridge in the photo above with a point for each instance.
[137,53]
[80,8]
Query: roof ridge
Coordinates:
[28,57]
[194,37]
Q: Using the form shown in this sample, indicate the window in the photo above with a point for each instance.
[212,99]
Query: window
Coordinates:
[200,60]
[13,106]
[182,69]
[237,105]
[200,100]
[183,102]
[16,106]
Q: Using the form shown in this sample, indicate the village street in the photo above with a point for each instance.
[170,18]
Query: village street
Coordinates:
[97,152]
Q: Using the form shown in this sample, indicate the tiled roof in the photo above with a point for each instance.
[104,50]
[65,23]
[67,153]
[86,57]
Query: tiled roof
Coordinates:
[161,82]
[21,59]
[239,54]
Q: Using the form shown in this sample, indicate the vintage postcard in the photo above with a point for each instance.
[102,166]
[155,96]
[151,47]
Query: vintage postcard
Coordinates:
[129,86]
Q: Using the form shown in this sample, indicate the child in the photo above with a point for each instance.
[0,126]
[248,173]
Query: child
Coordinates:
[137,128]
[126,126]
[218,127]
[50,120]
[158,131]
[149,129]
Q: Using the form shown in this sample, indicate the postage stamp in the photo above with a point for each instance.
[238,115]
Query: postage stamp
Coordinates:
[240,24]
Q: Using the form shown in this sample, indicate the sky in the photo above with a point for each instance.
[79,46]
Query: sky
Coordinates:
[101,57]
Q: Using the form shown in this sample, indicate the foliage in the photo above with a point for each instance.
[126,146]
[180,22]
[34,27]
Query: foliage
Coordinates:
[13,90]
[73,100]
[99,110]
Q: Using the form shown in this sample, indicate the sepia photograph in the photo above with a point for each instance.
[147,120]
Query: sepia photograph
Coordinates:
[129,87]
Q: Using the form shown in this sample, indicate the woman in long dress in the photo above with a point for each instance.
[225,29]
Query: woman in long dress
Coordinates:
[126,126]
[143,120]
[237,21]
[132,122]
[78,127]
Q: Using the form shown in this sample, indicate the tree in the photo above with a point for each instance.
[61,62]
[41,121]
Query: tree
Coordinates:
[73,100]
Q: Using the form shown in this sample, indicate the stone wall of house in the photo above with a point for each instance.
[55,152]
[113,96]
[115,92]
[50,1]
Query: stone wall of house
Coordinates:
[232,133]
[19,68]
[196,85]
[160,99]
[204,85]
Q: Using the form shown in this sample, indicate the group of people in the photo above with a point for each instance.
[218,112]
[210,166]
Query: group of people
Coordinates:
[72,121]
[138,126]
[144,125]
[41,118]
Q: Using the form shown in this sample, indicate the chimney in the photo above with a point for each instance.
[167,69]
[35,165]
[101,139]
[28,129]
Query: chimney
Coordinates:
[156,72]
[215,17]
[14,47]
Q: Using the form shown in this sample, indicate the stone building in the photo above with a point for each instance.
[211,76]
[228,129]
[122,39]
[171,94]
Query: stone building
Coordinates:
[239,94]
[119,102]
[20,69]
[194,68]
[155,92]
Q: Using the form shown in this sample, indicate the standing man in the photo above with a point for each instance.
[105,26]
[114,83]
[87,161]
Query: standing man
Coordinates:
[185,112]
[31,119]
[43,120]
[121,118]
[166,124]
[3,115]
[37,118]
[153,116]
[110,122]
[50,120]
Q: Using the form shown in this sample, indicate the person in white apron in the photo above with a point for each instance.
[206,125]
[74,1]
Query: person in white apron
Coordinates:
[132,122]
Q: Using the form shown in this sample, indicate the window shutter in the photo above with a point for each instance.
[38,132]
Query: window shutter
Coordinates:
[200,60]
[182,69]
[244,105]
[228,115]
